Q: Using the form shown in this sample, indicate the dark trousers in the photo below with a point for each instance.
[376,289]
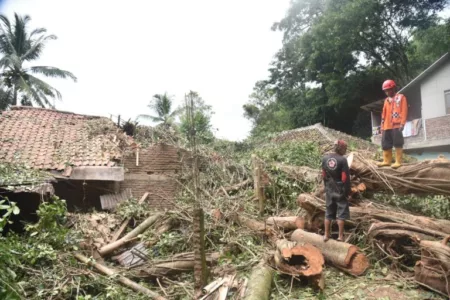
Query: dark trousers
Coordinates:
[392,138]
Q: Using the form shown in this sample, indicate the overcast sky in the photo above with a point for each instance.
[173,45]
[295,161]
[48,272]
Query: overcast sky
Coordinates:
[123,53]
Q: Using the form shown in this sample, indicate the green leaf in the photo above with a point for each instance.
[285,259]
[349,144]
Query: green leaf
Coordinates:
[16,210]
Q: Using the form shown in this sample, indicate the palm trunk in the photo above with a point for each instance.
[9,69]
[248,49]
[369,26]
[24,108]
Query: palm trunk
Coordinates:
[15,96]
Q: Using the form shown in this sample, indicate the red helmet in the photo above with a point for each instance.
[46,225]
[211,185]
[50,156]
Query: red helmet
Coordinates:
[389,84]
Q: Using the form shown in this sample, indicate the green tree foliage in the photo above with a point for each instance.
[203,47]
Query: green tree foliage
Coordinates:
[19,46]
[162,105]
[202,119]
[336,54]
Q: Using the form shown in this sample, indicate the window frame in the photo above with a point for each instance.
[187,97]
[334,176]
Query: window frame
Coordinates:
[447,96]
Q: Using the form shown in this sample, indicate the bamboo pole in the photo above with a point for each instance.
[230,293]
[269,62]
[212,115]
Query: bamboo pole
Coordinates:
[132,234]
[125,281]
[124,224]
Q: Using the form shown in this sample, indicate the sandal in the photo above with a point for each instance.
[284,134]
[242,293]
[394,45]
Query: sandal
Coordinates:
[325,238]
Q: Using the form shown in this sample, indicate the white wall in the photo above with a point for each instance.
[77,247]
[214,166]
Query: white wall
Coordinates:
[432,92]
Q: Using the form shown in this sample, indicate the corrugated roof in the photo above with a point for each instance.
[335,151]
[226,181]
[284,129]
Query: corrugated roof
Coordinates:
[52,140]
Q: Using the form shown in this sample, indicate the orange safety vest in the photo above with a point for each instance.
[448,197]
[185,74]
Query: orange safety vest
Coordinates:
[395,112]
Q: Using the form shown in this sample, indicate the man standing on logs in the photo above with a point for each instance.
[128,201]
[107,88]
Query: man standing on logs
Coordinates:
[393,119]
[336,177]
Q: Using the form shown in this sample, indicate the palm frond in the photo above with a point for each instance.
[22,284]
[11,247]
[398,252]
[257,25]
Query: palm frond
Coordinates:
[43,87]
[10,61]
[6,36]
[30,92]
[37,31]
[36,47]
[20,35]
[52,72]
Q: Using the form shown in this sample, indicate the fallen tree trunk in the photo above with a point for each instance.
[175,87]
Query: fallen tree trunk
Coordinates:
[260,283]
[431,176]
[285,223]
[131,235]
[316,207]
[125,281]
[400,242]
[180,263]
[342,255]
[433,270]
[254,225]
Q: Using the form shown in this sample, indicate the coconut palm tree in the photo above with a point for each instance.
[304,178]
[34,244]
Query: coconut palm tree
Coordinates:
[162,105]
[19,47]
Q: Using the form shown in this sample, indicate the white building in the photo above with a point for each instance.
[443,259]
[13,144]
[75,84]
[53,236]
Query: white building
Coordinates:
[427,132]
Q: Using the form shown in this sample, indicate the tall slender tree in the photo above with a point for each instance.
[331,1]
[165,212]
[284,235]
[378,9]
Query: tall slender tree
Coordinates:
[20,46]
[162,105]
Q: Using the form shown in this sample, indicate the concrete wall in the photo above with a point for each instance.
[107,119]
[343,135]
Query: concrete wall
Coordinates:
[411,142]
[432,92]
[438,128]
[157,169]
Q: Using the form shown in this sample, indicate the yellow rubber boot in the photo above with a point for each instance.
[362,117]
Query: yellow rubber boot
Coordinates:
[387,158]
[398,158]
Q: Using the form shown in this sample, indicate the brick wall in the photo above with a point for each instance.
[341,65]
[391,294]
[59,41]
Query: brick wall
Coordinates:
[438,128]
[158,167]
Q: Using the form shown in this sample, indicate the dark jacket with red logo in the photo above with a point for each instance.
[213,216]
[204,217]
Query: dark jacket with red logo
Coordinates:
[336,175]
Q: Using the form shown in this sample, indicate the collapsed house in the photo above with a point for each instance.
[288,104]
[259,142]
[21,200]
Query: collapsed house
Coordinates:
[92,162]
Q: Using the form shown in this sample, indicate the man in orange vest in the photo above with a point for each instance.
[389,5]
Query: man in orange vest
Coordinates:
[393,119]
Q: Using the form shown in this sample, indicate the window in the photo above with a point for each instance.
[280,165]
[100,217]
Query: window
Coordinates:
[447,101]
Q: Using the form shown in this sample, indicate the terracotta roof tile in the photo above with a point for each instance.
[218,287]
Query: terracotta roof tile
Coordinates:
[51,139]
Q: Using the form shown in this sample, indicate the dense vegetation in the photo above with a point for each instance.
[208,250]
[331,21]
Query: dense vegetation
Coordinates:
[335,56]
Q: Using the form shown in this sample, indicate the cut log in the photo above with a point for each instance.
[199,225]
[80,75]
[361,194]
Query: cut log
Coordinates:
[253,224]
[125,281]
[286,223]
[180,263]
[297,260]
[341,255]
[260,283]
[131,235]
[433,270]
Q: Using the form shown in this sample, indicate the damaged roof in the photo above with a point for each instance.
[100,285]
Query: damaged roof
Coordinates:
[53,140]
